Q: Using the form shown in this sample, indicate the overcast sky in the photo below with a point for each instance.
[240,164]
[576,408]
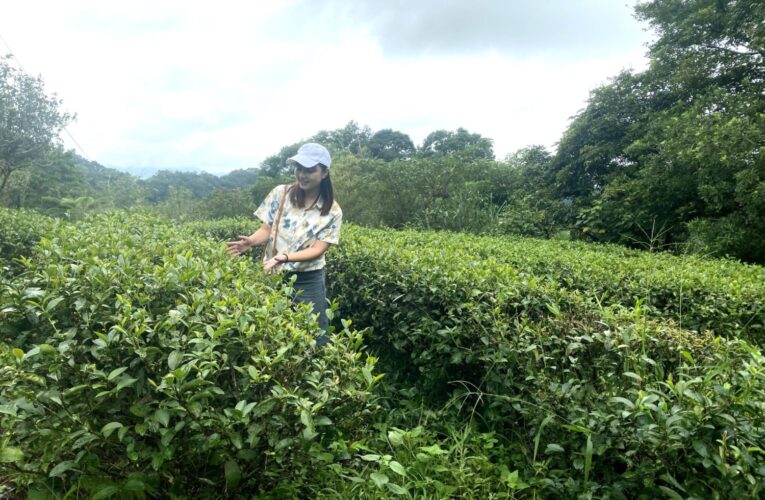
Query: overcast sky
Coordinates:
[221,85]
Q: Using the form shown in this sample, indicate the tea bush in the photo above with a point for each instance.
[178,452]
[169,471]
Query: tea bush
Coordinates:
[223,229]
[20,230]
[699,294]
[592,398]
[139,359]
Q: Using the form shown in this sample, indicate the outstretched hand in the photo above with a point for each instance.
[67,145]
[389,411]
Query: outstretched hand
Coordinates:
[239,246]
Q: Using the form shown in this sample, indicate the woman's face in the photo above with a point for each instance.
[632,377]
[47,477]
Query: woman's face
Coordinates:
[309,178]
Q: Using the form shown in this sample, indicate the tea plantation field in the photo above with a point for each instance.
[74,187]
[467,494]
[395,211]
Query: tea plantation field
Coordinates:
[138,360]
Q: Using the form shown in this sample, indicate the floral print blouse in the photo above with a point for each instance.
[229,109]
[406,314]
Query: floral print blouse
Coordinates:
[299,228]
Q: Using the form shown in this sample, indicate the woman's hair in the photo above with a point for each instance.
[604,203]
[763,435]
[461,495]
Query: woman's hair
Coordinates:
[297,195]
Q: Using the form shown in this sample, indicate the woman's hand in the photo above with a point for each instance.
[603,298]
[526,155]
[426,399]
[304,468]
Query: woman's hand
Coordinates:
[239,246]
[273,263]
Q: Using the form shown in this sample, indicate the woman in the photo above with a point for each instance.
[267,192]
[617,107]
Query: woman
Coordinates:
[300,222]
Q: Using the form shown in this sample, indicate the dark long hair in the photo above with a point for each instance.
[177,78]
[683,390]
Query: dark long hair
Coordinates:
[297,195]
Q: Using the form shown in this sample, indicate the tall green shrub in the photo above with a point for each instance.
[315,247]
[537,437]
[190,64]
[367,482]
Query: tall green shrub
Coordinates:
[139,359]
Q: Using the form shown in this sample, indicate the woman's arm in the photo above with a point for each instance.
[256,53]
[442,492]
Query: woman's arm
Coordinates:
[313,252]
[244,243]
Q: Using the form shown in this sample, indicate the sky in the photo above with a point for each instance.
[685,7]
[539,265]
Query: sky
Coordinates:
[218,86]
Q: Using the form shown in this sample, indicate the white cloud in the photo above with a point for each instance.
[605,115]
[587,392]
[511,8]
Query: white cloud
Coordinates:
[221,86]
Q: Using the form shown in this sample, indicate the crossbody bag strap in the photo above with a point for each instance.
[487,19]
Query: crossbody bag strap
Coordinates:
[277,219]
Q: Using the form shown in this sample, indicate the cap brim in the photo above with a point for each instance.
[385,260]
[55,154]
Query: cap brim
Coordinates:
[304,161]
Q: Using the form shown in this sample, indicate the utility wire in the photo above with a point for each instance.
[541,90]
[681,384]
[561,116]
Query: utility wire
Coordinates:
[21,66]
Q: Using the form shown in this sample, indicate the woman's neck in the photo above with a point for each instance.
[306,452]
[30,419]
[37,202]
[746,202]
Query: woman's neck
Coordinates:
[311,197]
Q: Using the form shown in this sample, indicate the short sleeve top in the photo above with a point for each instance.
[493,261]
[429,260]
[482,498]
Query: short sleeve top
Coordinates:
[299,228]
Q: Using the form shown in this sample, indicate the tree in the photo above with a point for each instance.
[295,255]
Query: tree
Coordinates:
[198,184]
[352,138]
[444,142]
[389,145]
[44,184]
[530,206]
[30,120]
[238,179]
[674,154]
[706,43]
[223,203]
[276,165]
[110,187]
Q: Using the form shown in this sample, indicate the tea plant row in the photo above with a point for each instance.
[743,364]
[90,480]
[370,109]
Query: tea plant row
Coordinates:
[588,395]
[140,359]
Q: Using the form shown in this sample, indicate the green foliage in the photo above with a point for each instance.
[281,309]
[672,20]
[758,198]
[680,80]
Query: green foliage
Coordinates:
[238,179]
[422,463]
[20,231]
[722,296]
[226,229]
[139,359]
[351,139]
[445,142]
[30,120]
[586,396]
[447,192]
[388,145]
[679,142]
[727,236]
[112,188]
[530,207]
[43,185]
[264,185]
[178,205]
[224,203]
[164,183]
[276,165]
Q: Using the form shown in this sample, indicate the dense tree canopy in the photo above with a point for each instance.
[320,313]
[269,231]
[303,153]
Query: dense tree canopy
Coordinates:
[674,154]
[444,142]
[30,120]
[388,145]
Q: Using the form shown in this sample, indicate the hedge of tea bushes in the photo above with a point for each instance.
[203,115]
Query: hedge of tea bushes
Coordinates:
[225,229]
[20,230]
[699,294]
[137,358]
[592,399]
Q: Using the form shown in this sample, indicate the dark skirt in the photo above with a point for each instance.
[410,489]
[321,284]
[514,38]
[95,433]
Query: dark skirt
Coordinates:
[309,288]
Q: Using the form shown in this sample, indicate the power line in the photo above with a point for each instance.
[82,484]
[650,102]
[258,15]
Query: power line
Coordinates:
[21,66]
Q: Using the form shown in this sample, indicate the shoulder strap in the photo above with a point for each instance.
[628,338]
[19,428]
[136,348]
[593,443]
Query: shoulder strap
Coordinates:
[277,219]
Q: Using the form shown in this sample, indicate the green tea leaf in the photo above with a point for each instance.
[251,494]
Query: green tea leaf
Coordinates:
[106,492]
[116,373]
[174,359]
[233,474]
[11,455]
[61,468]
[379,479]
[109,428]
[397,489]
[162,416]
[126,382]
[397,468]
[554,448]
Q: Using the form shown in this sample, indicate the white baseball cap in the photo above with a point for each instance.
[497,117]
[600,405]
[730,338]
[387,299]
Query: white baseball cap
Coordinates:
[311,154]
